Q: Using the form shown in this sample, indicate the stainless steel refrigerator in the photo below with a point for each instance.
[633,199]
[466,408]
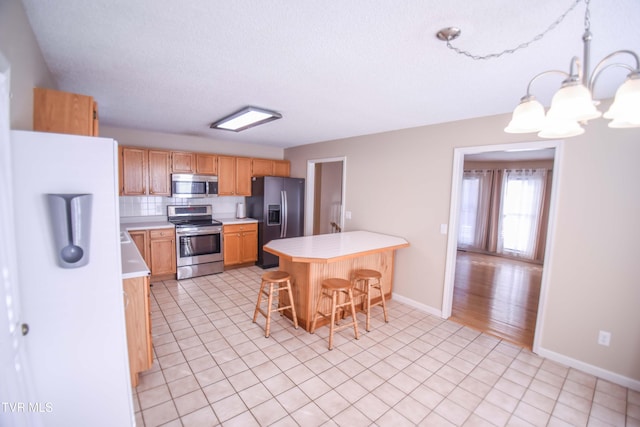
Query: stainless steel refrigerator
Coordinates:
[278,205]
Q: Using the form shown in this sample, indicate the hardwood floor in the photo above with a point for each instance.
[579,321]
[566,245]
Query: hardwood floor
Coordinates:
[497,295]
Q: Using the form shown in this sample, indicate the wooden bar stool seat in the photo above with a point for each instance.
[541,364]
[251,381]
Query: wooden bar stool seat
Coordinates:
[332,289]
[272,282]
[370,280]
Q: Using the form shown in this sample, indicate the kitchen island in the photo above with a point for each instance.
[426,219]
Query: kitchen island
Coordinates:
[311,259]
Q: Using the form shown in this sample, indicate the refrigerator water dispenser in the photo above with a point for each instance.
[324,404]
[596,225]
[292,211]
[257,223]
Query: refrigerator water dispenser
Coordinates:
[71,224]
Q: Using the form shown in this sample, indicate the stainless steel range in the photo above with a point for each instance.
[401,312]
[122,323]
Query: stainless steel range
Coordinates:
[198,240]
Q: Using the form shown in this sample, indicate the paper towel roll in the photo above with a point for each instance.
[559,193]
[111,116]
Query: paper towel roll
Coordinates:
[240,211]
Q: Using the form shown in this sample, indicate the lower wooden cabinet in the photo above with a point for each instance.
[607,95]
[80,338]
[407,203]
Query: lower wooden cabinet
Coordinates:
[162,252]
[158,249]
[138,322]
[240,243]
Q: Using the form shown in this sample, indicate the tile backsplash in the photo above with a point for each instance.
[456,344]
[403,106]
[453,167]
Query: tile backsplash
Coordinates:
[154,206]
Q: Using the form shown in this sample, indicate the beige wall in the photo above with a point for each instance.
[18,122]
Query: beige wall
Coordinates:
[28,69]
[400,183]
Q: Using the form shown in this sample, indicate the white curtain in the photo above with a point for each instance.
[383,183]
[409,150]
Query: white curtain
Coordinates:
[520,211]
[474,212]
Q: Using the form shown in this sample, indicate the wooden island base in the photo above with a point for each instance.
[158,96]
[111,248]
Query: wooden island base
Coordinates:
[309,269]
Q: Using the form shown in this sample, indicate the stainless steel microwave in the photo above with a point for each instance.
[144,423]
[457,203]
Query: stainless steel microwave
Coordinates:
[194,186]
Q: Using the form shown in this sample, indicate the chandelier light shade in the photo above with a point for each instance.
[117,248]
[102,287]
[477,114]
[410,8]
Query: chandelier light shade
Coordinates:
[573,104]
[625,110]
[527,117]
[560,128]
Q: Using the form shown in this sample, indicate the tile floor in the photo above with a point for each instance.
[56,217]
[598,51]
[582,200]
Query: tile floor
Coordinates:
[213,366]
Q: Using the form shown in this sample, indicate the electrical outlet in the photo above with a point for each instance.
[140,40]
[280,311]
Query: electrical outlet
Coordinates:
[347,214]
[443,228]
[604,338]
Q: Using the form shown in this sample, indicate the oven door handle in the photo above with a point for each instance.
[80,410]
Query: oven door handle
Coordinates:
[195,230]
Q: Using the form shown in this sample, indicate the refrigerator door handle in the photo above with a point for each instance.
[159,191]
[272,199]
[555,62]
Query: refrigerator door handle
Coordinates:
[281,214]
[286,214]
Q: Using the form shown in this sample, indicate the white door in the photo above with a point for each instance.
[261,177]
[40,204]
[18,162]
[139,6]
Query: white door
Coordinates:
[19,406]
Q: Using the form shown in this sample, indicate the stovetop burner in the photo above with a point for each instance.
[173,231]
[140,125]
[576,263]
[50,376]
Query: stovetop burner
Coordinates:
[194,215]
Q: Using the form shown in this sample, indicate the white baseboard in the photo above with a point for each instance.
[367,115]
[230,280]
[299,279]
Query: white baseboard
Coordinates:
[590,369]
[551,355]
[422,307]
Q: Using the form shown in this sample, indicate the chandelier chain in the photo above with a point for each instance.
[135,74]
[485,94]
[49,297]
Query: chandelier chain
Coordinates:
[587,17]
[527,43]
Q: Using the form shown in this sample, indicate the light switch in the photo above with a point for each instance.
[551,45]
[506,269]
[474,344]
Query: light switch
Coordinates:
[443,228]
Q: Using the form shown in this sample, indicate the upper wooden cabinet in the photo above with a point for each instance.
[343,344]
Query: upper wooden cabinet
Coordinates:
[281,168]
[207,164]
[261,167]
[182,162]
[267,167]
[243,176]
[159,173]
[64,112]
[133,171]
[234,176]
[144,172]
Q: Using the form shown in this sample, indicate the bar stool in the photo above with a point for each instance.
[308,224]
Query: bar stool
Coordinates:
[371,280]
[332,289]
[277,281]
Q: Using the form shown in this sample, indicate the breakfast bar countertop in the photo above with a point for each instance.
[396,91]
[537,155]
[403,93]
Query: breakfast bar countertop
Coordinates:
[333,247]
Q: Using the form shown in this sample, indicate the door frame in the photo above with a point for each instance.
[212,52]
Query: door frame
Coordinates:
[454,213]
[310,191]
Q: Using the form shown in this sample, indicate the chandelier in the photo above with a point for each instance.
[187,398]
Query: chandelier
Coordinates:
[572,105]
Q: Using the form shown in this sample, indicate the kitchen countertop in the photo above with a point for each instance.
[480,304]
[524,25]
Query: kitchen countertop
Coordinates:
[333,247]
[144,223]
[233,220]
[133,264]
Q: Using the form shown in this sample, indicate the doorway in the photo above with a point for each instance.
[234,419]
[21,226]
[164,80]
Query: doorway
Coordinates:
[508,150]
[326,180]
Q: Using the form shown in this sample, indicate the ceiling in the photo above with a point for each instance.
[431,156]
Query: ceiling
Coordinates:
[333,69]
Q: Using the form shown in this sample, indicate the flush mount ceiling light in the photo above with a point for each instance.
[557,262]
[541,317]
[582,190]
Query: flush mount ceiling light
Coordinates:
[246,118]
[573,104]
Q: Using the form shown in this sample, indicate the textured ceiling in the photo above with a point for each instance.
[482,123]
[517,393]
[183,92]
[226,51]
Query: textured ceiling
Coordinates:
[333,68]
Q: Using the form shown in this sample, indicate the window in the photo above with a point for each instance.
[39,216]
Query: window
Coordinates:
[474,211]
[520,210]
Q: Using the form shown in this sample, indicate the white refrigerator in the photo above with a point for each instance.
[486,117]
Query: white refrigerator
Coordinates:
[69,279]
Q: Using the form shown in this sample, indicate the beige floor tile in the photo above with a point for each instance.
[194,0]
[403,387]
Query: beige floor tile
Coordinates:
[311,415]
[160,414]
[183,386]
[190,402]
[213,366]
[154,396]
